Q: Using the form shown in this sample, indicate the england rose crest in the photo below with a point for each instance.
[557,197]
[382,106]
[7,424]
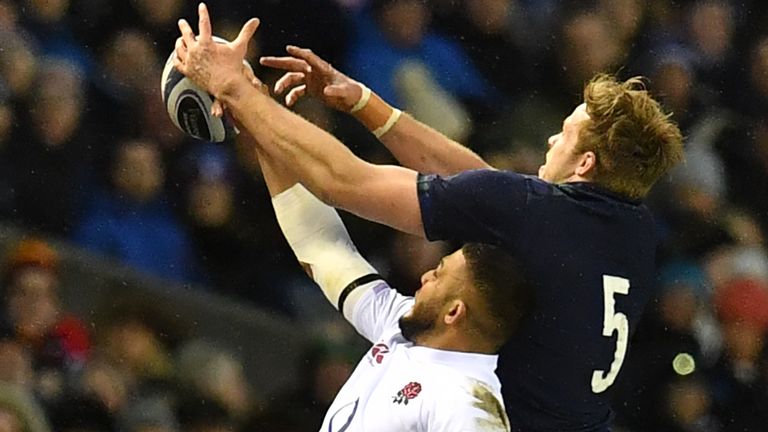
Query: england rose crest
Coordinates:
[410,391]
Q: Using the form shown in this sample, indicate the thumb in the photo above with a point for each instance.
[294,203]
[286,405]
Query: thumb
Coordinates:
[247,32]
[333,91]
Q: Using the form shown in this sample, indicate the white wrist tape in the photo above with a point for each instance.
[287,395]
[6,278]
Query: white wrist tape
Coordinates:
[393,118]
[318,238]
[364,98]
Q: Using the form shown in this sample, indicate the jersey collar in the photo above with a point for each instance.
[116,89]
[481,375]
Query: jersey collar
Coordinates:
[596,188]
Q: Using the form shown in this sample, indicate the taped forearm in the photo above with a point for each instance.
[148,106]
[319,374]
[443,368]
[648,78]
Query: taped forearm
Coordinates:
[414,144]
[320,241]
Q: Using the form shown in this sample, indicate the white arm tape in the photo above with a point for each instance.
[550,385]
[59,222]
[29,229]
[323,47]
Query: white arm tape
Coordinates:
[318,238]
[393,118]
[363,101]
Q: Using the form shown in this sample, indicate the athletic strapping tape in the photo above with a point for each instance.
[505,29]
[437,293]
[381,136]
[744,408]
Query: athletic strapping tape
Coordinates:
[366,96]
[380,131]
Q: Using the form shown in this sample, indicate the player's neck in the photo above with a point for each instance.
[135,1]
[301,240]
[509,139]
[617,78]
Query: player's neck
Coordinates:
[575,178]
[454,341]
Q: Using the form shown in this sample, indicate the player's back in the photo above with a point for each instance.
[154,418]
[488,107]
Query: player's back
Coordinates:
[590,256]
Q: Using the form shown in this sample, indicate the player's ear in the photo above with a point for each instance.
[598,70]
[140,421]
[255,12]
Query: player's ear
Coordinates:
[455,312]
[587,166]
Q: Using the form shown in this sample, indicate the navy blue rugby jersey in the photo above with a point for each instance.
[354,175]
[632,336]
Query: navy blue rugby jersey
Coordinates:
[591,258]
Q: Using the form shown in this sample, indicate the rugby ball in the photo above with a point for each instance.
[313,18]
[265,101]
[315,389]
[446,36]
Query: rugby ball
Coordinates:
[189,106]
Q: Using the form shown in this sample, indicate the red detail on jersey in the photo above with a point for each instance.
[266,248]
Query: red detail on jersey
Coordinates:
[378,351]
[410,391]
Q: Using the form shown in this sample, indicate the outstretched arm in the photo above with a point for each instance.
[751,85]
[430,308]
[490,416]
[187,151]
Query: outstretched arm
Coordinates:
[385,194]
[322,245]
[414,144]
[318,238]
[313,230]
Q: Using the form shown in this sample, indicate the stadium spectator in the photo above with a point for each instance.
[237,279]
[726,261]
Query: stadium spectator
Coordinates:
[81,414]
[400,31]
[8,120]
[227,244]
[324,368]
[673,340]
[20,412]
[9,15]
[55,144]
[18,63]
[49,22]
[134,346]
[711,25]
[16,365]
[150,415]
[58,342]
[107,383]
[410,257]
[687,407]
[129,70]
[198,414]
[217,375]
[585,46]
[132,222]
[742,307]
[487,32]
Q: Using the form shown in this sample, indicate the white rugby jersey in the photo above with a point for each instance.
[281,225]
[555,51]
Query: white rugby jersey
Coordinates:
[401,387]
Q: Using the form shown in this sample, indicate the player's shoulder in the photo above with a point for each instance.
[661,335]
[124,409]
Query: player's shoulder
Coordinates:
[464,403]
[486,176]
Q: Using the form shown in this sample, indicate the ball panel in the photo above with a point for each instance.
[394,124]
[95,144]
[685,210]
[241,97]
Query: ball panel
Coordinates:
[190,115]
[167,69]
[189,106]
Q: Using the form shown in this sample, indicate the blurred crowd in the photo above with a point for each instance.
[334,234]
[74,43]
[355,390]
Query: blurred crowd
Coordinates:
[89,156]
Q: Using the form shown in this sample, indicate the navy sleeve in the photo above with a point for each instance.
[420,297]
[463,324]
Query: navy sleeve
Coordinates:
[473,206]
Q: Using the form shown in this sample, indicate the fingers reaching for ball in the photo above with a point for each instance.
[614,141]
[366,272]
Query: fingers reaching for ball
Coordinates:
[246,33]
[186,32]
[255,81]
[181,49]
[290,79]
[295,94]
[204,23]
[290,64]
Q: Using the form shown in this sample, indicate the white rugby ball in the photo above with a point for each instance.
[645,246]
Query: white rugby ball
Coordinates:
[189,106]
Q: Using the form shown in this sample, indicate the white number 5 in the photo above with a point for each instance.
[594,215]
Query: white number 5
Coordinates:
[612,322]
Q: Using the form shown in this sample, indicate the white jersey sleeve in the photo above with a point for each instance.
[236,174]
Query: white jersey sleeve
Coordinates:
[375,309]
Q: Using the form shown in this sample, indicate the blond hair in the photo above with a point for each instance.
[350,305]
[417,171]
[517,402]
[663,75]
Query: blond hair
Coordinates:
[634,141]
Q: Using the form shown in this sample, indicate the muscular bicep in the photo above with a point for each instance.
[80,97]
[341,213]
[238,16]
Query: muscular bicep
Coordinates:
[385,194]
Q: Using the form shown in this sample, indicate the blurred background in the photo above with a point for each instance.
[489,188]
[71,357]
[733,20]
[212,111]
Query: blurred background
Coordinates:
[145,283]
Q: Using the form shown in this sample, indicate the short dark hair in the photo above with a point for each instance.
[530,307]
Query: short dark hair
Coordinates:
[500,280]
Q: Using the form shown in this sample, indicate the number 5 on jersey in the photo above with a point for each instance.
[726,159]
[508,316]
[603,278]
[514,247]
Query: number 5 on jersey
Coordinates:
[613,322]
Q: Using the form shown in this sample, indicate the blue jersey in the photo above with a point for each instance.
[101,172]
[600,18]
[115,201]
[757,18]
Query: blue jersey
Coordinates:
[590,257]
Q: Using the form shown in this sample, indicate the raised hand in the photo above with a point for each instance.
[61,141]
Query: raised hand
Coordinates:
[306,73]
[218,107]
[213,66]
